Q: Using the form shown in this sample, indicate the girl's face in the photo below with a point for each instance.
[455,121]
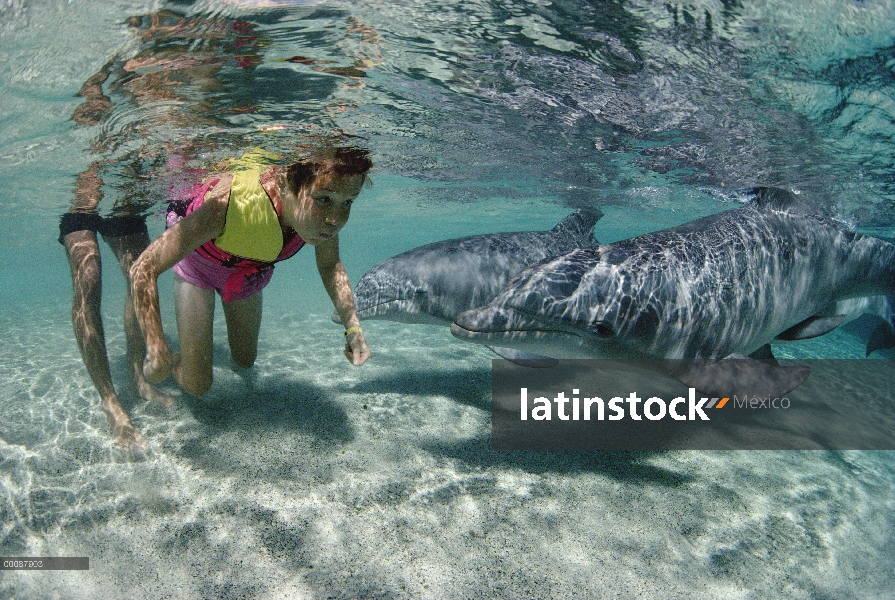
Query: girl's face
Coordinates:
[322,208]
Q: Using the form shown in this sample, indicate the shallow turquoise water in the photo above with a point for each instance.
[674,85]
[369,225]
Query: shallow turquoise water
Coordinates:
[313,479]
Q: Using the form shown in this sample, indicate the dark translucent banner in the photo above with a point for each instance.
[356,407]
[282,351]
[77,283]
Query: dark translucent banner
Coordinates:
[733,404]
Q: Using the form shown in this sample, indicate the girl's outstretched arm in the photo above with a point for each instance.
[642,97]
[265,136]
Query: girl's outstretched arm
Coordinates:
[335,280]
[203,224]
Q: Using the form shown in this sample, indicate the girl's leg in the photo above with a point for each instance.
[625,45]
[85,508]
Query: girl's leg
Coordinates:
[243,325]
[195,317]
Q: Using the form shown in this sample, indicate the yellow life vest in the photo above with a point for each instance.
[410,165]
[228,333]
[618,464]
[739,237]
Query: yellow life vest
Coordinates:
[252,229]
[254,158]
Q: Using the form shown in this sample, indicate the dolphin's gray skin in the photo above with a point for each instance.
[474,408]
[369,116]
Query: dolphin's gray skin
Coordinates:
[721,286]
[434,283]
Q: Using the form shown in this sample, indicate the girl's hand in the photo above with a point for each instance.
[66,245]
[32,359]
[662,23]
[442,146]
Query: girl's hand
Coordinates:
[356,349]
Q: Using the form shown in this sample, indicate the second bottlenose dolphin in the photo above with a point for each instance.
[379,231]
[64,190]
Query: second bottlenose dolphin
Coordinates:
[719,287]
[434,283]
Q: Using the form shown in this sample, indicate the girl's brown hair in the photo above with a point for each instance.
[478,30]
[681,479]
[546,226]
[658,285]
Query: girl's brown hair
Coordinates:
[345,161]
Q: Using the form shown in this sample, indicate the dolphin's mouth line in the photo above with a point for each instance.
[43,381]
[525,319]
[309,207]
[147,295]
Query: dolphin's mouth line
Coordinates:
[506,331]
[529,314]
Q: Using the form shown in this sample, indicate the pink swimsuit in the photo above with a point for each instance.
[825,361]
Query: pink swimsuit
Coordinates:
[210,268]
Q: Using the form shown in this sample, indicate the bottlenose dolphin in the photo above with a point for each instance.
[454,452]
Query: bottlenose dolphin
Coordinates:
[723,286]
[434,283]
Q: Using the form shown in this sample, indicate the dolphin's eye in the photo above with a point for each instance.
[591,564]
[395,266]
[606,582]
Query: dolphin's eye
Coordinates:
[419,293]
[603,329]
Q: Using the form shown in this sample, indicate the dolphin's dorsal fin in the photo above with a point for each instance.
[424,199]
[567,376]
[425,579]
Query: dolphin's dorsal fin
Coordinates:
[811,327]
[580,224]
[775,198]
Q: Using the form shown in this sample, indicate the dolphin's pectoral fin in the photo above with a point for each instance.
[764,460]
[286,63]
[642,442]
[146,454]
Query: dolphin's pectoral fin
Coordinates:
[744,376]
[764,353]
[524,359]
[811,327]
[882,338]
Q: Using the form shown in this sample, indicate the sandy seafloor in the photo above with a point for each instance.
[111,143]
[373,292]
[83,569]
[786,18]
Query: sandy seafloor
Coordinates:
[308,478]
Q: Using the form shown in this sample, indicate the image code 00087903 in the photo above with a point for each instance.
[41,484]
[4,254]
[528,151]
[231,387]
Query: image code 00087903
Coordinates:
[45,563]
